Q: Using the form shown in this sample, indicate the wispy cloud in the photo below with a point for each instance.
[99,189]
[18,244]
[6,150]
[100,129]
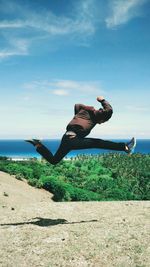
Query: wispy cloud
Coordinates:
[123,11]
[17,46]
[83,86]
[60,92]
[138,108]
[66,87]
[46,24]
[81,18]
[12,24]
[76,27]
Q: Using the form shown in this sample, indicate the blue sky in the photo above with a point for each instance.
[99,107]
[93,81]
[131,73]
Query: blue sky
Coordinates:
[56,53]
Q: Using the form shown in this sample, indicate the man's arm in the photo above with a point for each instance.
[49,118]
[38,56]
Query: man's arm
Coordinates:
[107,110]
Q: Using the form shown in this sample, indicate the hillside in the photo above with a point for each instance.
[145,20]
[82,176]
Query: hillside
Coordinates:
[35,231]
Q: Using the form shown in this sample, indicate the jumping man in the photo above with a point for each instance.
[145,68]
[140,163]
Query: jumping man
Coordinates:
[84,120]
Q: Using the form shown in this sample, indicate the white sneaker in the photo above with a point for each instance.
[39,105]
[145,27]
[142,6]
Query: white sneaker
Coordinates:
[130,146]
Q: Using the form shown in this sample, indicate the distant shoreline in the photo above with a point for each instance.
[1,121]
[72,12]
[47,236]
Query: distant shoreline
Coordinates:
[18,148]
[58,139]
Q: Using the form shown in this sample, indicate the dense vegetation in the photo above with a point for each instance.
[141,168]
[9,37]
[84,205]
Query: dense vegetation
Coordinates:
[104,177]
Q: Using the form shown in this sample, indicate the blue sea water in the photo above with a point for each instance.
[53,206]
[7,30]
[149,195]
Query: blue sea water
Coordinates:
[22,149]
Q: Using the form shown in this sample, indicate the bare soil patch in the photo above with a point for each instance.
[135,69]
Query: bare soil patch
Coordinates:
[35,231]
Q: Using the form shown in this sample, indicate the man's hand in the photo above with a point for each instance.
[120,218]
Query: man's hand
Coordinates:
[100,98]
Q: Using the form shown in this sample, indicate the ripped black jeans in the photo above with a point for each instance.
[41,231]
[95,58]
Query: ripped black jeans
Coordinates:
[67,144]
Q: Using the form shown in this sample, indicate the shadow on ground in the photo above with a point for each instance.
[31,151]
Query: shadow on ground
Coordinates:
[44,222]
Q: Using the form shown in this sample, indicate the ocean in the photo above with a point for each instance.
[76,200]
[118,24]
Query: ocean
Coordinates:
[22,149]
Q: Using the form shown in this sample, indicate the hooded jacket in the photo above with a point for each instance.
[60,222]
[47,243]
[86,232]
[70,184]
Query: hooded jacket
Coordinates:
[86,117]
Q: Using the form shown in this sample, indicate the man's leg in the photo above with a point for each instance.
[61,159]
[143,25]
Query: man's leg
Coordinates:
[59,155]
[83,143]
[86,143]
[44,152]
[68,143]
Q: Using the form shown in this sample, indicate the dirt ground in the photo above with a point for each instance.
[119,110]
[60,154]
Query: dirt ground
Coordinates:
[35,231]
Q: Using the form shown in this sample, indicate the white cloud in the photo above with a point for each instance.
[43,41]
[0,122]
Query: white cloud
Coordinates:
[66,87]
[37,85]
[82,23]
[123,11]
[17,47]
[138,108]
[44,24]
[82,86]
[5,53]
[67,84]
[9,53]
[26,98]
[12,24]
[81,18]
[60,92]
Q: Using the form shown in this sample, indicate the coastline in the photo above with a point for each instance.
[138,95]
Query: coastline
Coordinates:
[17,148]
